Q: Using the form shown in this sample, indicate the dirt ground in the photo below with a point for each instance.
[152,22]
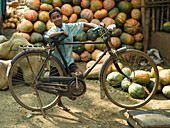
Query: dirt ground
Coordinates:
[88,111]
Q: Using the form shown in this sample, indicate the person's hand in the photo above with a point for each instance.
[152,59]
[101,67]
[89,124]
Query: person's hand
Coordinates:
[66,33]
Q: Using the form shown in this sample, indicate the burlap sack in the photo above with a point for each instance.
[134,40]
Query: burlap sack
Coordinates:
[36,63]
[10,48]
[2,39]
[3,79]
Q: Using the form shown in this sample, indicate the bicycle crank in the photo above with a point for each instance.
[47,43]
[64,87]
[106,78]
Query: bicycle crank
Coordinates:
[77,87]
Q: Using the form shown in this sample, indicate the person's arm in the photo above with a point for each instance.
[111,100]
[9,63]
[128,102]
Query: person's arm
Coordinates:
[54,34]
[90,25]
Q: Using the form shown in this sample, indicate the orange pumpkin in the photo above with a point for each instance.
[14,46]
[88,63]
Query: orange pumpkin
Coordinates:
[138,36]
[136,3]
[100,14]
[43,16]
[65,19]
[76,56]
[136,14]
[46,7]
[94,53]
[26,26]
[49,25]
[67,9]
[85,56]
[85,3]
[73,18]
[131,26]
[77,10]
[31,15]
[108,4]
[96,5]
[89,47]
[95,21]
[115,42]
[86,14]
[108,21]
[33,4]
[89,64]
[114,68]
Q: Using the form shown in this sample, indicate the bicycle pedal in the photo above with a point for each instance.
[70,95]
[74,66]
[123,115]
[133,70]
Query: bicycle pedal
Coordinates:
[78,74]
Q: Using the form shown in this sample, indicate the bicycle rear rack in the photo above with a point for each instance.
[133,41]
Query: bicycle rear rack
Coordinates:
[31,47]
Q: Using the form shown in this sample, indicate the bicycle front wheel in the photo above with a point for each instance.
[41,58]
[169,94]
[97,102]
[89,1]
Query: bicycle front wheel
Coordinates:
[23,83]
[136,91]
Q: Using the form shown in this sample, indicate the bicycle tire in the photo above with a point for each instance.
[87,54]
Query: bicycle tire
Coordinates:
[21,79]
[115,92]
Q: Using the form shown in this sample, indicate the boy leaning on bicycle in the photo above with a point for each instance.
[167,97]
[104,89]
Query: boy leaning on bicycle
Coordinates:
[70,30]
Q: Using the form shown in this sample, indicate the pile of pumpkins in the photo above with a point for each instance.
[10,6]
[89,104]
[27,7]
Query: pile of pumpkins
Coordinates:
[143,79]
[125,14]
[13,16]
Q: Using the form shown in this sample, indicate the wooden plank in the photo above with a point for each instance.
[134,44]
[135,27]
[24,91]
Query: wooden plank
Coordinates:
[162,18]
[149,118]
[168,13]
[157,19]
[147,27]
[153,18]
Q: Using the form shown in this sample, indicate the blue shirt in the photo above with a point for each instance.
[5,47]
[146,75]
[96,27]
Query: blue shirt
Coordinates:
[72,29]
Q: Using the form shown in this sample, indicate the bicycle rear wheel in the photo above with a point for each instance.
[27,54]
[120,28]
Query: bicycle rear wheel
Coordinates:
[22,79]
[123,92]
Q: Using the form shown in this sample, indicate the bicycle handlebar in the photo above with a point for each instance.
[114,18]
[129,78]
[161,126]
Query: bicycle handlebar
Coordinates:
[97,28]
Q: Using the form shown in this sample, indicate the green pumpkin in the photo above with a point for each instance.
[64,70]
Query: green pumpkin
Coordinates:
[36,37]
[117,32]
[66,1]
[166,26]
[138,45]
[46,1]
[57,3]
[76,2]
[114,78]
[151,84]
[100,46]
[39,26]
[166,91]
[125,6]
[120,19]
[128,46]
[126,71]
[114,12]
[81,36]
[39,44]
[92,35]
[125,84]
[85,3]
[78,48]
[127,38]
[137,91]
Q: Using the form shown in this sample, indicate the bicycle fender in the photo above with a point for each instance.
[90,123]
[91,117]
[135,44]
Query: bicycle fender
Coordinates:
[13,60]
[102,93]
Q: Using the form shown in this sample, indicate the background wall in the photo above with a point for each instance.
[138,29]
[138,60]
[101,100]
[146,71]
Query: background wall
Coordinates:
[161,41]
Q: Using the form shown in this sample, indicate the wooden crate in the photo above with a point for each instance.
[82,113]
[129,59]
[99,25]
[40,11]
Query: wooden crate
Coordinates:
[149,118]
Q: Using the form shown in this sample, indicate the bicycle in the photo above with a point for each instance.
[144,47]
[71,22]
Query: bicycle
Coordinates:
[46,78]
